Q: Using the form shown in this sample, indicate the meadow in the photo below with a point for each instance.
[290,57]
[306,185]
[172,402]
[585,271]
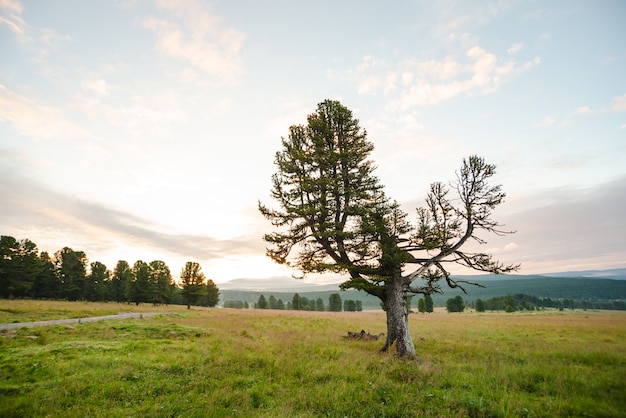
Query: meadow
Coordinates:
[263,363]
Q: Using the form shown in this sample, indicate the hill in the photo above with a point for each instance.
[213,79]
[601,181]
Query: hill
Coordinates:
[592,285]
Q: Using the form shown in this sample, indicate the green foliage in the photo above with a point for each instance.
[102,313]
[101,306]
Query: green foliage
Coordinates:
[234,304]
[428,302]
[19,267]
[455,304]
[273,302]
[480,305]
[296,302]
[72,272]
[349,305]
[325,186]
[368,302]
[211,294]
[139,288]
[421,306]
[192,283]
[333,209]
[122,276]
[45,283]
[24,274]
[577,289]
[262,303]
[522,302]
[161,281]
[334,302]
[95,289]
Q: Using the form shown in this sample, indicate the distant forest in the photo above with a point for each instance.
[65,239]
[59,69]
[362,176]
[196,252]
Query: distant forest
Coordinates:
[521,302]
[299,303]
[66,275]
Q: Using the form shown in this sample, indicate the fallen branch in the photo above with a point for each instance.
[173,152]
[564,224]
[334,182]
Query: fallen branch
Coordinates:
[362,336]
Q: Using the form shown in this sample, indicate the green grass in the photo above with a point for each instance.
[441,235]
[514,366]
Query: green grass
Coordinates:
[224,363]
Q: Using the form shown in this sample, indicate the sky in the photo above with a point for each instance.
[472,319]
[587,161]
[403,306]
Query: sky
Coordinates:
[147,129]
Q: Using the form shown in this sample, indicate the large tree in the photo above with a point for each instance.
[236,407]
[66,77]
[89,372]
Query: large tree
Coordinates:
[19,266]
[97,281]
[71,268]
[162,282]
[122,276]
[192,283]
[140,288]
[212,294]
[46,284]
[332,215]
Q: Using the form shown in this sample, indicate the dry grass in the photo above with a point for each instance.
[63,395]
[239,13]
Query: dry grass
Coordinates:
[26,310]
[222,362]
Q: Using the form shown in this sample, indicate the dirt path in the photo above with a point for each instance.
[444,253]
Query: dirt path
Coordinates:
[75,320]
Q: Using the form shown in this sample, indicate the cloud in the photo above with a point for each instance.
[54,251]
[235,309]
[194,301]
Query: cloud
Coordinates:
[99,86]
[558,229]
[515,48]
[572,227]
[425,83]
[619,103]
[11,16]
[31,210]
[547,121]
[462,16]
[36,120]
[498,251]
[583,110]
[193,34]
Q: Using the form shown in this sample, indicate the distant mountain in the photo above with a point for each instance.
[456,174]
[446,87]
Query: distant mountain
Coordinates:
[591,285]
[278,284]
[616,274]
[285,284]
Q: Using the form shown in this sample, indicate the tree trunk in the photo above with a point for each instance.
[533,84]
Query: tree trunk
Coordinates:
[398,320]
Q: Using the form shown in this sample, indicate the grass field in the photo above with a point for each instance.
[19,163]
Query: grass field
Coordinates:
[223,363]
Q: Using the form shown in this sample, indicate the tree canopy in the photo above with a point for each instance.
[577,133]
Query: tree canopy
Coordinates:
[68,275]
[333,215]
[192,281]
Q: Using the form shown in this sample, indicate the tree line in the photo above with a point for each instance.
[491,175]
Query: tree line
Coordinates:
[300,303]
[68,275]
[519,302]
[522,302]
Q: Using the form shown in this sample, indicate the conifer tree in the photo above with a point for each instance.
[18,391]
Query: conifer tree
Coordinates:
[333,216]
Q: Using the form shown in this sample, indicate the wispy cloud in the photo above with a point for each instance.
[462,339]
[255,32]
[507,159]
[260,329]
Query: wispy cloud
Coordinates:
[99,86]
[456,16]
[558,223]
[619,103]
[413,83]
[11,16]
[192,33]
[36,120]
[583,110]
[515,48]
[34,209]
[547,121]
